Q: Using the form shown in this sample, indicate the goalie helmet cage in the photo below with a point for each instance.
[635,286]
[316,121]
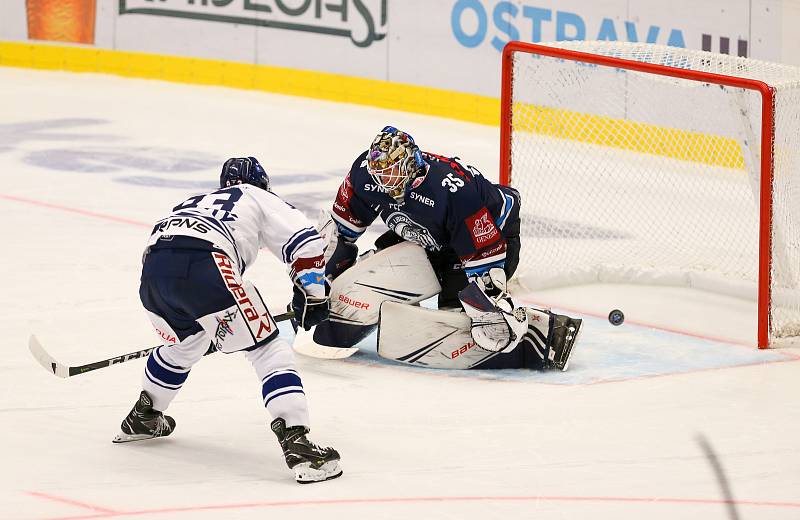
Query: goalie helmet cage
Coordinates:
[643,163]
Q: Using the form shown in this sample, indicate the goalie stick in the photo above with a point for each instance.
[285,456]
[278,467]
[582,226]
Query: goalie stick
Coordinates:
[304,344]
[60,370]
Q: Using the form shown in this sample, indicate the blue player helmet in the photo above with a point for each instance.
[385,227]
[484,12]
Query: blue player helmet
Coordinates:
[243,170]
[393,160]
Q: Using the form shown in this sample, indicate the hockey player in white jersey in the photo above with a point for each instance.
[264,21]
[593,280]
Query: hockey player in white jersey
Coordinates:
[196,298]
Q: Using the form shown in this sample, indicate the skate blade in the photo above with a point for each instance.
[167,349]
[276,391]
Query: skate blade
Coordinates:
[305,474]
[575,338]
[122,437]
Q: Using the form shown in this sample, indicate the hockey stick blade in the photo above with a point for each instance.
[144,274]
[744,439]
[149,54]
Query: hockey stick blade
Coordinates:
[45,359]
[63,371]
[60,370]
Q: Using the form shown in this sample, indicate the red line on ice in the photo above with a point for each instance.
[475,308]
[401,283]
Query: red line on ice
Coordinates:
[420,500]
[84,212]
[103,511]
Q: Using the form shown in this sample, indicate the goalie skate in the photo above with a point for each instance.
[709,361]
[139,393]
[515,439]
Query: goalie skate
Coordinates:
[309,462]
[144,423]
[552,337]
[565,334]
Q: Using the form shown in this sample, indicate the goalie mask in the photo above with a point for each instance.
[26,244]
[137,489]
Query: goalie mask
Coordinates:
[393,160]
[243,170]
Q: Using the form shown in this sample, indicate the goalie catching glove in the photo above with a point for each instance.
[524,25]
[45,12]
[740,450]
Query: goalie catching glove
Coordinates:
[497,323]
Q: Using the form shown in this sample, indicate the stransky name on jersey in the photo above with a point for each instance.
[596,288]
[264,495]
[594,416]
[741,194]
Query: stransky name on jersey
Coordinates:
[260,323]
[482,228]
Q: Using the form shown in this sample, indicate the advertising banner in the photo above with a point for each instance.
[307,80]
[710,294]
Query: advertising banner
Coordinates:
[478,29]
[452,45]
[344,37]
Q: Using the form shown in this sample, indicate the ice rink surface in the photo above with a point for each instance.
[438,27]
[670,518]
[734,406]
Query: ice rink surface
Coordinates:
[647,422]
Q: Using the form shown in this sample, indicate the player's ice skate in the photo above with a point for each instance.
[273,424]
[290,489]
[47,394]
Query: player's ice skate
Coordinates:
[309,462]
[144,423]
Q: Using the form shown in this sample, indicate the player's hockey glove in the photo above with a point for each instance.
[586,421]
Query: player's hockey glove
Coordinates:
[309,310]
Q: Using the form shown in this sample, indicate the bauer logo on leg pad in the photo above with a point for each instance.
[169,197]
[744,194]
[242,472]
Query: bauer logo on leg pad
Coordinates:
[401,273]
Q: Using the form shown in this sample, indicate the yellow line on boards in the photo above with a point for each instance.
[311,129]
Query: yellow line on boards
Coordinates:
[318,85]
[675,143]
[617,133]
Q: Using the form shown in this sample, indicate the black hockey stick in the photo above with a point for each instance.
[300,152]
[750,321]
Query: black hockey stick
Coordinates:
[60,370]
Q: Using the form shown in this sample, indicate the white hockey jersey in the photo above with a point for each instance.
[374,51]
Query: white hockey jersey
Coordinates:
[242,219]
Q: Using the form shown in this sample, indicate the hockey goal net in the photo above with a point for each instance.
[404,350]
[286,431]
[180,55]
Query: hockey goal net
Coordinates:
[648,164]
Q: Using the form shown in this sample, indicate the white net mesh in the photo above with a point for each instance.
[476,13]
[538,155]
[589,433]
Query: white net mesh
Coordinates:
[644,178]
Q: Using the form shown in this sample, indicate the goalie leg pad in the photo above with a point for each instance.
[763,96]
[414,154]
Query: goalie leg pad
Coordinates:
[400,273]
[437,339]
[428,338]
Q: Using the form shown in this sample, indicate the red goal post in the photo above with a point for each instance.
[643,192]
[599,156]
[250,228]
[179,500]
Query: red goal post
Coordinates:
[573,109]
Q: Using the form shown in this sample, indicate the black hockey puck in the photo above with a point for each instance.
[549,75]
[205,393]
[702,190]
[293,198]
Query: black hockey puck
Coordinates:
[616,317]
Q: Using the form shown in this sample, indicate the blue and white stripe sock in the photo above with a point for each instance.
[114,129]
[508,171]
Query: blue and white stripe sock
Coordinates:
[281,387]
[162,379]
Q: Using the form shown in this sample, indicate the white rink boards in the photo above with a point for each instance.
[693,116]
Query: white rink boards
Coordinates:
[635,429]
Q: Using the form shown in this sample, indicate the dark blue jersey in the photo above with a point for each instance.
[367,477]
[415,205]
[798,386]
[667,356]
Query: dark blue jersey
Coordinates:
[449,206]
